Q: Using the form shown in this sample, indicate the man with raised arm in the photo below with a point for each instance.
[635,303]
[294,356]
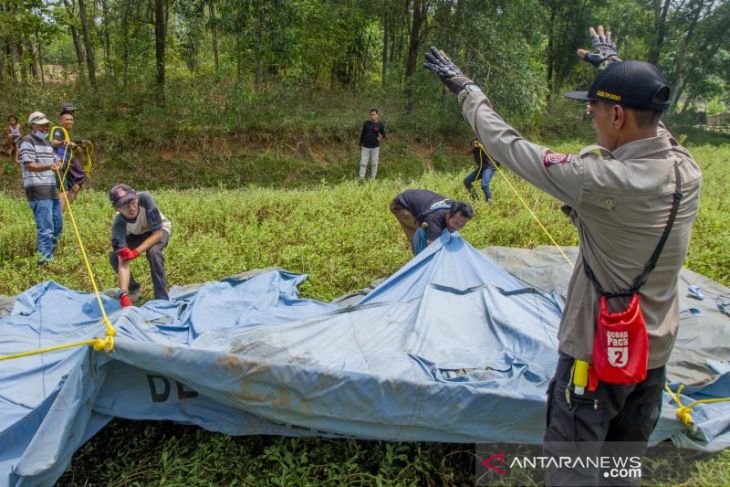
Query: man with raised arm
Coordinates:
[633,197]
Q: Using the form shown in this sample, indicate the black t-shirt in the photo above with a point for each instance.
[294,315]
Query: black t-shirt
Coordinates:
[481,159]
[370,133]
[419,202]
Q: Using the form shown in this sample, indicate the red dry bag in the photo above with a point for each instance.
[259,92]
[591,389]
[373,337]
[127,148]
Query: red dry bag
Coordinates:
[621,345]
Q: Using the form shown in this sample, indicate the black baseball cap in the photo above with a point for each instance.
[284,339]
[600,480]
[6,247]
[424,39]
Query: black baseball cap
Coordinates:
[67,108]
[633,84]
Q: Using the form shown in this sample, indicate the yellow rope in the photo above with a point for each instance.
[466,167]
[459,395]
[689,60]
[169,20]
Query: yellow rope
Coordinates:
[98,343]
[110,331]
[67,139]
[684,412]
[544,229]
[89,150]
[107,343]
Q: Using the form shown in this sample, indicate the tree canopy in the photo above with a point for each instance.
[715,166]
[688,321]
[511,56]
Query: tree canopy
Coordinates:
[521,51]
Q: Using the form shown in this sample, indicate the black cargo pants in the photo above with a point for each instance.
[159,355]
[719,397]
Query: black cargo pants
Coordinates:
[613,420]
[156,259]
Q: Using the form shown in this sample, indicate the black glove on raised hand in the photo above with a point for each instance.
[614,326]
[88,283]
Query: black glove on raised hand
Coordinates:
[604,49]
[446,70]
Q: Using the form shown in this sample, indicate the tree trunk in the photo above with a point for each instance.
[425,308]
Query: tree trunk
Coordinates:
[660,29]
[708,50]
[125,46]
[688,102]
[35,69]
[386,34]
[21,61]
[456,25]
[239,60]
[40,59]
[160,34]
[259,49]
[401,26]
[214,35]
[105,35]
[682,53]
[550,48]
[2,64]
[75,36]
[12,74]
[86,31]
[418,19]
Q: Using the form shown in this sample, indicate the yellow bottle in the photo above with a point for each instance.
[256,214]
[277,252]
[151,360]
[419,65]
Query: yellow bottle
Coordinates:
[580,377]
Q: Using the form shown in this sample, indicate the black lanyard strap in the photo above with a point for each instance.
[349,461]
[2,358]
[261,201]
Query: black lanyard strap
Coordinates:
[642,278]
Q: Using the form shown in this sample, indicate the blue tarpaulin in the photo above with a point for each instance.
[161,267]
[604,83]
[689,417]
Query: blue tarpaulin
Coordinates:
[451,348]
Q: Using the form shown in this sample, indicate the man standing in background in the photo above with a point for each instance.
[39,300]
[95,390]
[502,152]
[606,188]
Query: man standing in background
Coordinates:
[39,181]
[484,171]
[67,152]
[373,132]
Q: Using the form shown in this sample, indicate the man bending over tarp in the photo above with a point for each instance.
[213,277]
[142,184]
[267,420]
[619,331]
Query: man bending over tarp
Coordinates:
[424,215]
[138,227]
[633,198]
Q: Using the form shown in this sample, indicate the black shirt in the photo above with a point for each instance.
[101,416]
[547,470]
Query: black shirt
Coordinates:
[419,202]
[481,159]
[370,132]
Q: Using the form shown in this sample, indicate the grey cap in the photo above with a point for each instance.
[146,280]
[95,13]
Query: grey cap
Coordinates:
[38,118]
[120,194]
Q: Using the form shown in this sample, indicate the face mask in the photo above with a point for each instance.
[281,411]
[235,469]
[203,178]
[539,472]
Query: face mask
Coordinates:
[42,135]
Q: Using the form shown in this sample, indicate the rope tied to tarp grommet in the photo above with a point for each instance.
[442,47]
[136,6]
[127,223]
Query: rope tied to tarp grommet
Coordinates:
[684,412]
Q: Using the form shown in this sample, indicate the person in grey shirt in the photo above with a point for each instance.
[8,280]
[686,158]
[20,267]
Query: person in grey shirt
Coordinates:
[39,181]
[620,194]
[138,227]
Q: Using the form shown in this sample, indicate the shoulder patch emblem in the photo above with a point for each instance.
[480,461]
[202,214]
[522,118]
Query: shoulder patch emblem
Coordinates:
[550,158]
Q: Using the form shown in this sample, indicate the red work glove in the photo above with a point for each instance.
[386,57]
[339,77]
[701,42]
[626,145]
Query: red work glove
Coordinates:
[125,253]
[125,300]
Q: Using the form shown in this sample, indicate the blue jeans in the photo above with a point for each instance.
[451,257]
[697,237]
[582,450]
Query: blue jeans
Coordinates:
[49,224]
[485,176]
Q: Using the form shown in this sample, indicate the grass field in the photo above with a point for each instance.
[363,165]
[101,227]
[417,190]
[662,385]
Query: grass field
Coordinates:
[340,233]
